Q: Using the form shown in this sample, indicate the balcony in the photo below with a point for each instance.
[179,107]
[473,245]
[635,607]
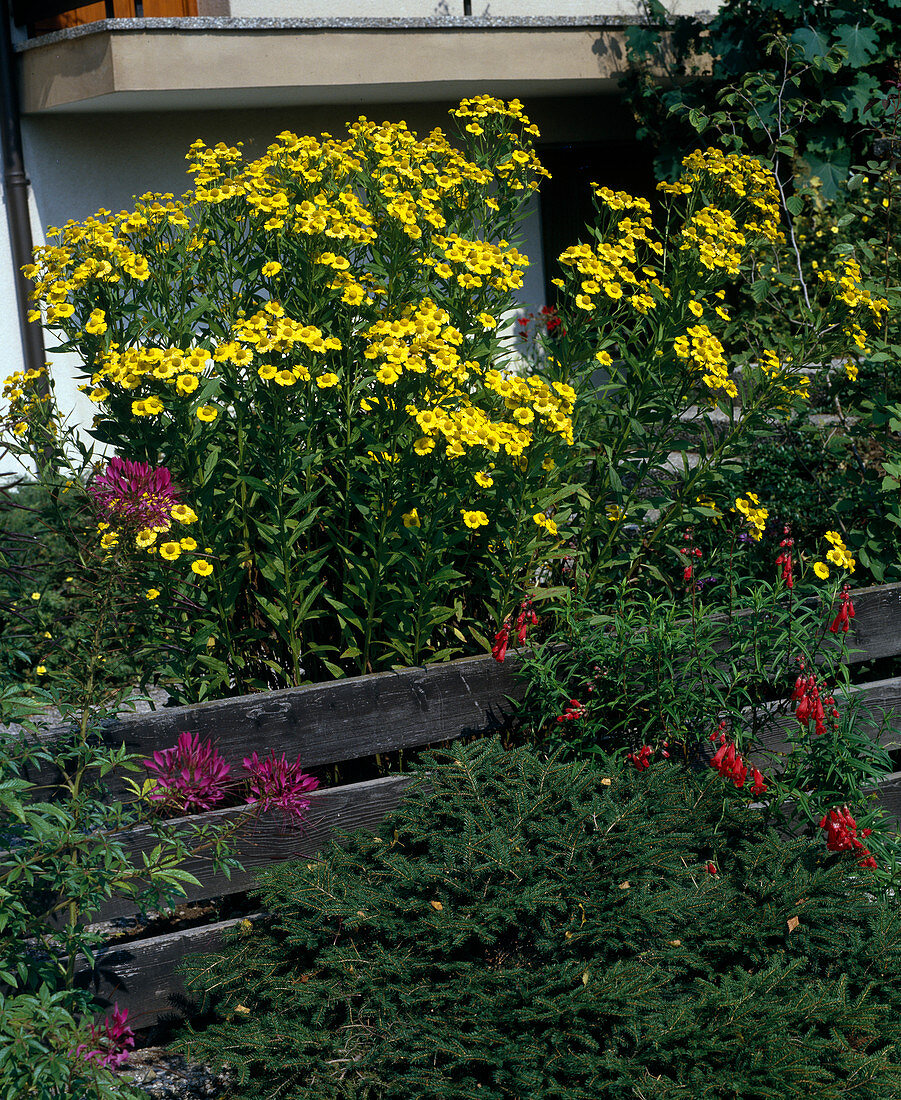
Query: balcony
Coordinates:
[390,51]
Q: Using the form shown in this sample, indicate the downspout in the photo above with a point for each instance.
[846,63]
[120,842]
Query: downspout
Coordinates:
[15,187]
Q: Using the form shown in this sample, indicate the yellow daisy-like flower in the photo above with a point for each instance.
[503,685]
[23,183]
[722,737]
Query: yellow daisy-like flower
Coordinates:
[604,358]
[326,381]
[188,544]
[411,518]
[152,593]
[207,413]
[111,538]
[37,595]
[821,569]
[696,308]
[387,376]
[486,320]
[145,538]
[272,268]
[201,567]
[474,519]
[41,669]
[186,383]
[423,445]
[183,514]
[483,479]
[285,378]
[170,551]
[267,371]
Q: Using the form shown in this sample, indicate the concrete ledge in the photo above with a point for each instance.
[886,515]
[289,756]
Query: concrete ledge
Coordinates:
[212,63]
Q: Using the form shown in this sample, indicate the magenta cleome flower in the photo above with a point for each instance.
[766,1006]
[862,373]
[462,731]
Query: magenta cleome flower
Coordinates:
[192,775]
[275,783]
[135,493]
[111,1042]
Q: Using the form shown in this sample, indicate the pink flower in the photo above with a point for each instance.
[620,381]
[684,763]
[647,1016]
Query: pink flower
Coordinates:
[190,776]
[112,1041]
[276,783]
[134,493]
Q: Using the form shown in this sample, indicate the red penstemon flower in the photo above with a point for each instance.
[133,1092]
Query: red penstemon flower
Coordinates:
[574,710]
[525,618]
[642,759]
[841,622]
[730,764]
[785,559]
[841,835]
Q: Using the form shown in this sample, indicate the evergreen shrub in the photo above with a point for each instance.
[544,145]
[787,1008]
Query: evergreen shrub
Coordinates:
[529,928]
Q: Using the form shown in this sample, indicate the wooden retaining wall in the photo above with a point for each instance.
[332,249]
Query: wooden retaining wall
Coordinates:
[359,717]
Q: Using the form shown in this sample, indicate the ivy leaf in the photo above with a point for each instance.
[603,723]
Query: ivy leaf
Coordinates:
[860,43]
[813,43]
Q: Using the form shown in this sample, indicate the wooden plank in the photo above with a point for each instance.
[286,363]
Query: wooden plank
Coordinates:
[141,975]
[876,628]
[265,839]
[329,723]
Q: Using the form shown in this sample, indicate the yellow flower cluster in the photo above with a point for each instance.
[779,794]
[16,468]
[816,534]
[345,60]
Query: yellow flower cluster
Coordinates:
[848,288]
[474,264]
[704,353]
[754,515]
[838,553]
[781,373]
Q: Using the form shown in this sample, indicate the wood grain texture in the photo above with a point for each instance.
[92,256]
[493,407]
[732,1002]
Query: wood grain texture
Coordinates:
[334,722]
[262,840]
[141,976]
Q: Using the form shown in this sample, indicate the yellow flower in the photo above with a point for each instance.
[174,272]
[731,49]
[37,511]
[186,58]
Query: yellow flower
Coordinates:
[423,445]
[35,595]
[411,519]
[483,479]
[183,514]
[285,378]
[201,567]
[387,375]
[326,381]
[152,593]
[696,308]
[170,551]
[548,524]
[821,569]
[96,322]
[111,538]
[145,538]
[188,544]
[272,268]
[604,358]
[474,520]
[267,371]
[487,321]
[41,669]
[207,413]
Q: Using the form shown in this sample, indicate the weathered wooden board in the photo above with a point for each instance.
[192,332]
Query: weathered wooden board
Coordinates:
[142,975]
[264,839]
[876,628]
[339,721]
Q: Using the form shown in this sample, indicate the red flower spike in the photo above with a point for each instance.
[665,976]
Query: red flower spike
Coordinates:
[501,641]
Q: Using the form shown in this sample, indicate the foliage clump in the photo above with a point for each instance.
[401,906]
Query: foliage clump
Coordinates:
[531,927]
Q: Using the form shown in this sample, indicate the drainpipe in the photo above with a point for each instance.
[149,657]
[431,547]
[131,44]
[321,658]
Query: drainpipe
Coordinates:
[15,187]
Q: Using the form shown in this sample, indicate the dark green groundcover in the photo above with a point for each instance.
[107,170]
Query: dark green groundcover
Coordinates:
[535,929]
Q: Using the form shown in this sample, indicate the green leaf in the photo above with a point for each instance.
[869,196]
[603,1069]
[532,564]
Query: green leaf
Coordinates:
[814,44]
[860,42]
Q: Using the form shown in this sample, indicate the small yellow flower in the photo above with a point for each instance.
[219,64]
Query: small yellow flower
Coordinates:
[145,538]
[821,569]
[41,669]
[285,378]
[473,519]
[170,551]
[183,514]
[604,358]
[326,381]
[411,518]
[272,268]
[483,479]
[188,544]
[35,595]
[111,538]
[207,413]
[152,593]
[201,567]
[423,445]
[486,320]
[696,308]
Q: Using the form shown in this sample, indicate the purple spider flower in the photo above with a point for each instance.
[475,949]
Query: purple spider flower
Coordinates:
[135,493]
[111,1041]
[274,782]
[190,776]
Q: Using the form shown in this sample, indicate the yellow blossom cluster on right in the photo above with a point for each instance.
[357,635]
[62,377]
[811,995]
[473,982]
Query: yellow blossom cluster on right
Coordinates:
[753,513]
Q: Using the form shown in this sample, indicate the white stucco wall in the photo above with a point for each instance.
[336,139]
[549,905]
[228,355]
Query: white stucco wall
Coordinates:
[393,9]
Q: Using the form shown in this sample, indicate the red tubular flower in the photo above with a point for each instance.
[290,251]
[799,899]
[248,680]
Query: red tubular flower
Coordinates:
[711,869]
[841,622]
[786,561]
[501,641]
[759,786]
[641,759]
[524,620]
[841,835]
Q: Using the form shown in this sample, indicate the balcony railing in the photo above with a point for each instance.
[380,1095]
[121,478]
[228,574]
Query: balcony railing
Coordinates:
[43,16]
